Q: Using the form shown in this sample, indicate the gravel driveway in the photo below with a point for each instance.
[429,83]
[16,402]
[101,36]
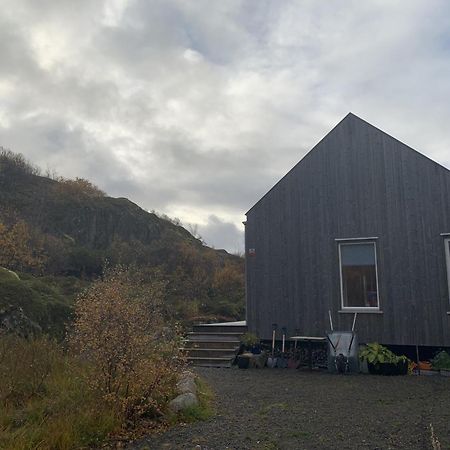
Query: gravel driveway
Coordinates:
[292,409]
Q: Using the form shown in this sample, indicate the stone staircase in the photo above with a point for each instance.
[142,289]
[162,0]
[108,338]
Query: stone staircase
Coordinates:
[214,345]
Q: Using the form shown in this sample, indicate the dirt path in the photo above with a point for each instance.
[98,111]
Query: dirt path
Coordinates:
[291,409]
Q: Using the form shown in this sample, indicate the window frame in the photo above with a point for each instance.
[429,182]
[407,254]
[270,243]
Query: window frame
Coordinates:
[447,264]
[360,241]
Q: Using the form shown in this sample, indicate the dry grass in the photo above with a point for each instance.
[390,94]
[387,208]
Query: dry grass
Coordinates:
[45,400]
[435,444]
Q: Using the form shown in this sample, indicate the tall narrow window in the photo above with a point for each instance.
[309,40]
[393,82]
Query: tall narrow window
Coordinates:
[359,279]
[447,259]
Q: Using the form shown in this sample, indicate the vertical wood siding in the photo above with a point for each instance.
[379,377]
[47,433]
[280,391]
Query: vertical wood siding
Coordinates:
[357,182]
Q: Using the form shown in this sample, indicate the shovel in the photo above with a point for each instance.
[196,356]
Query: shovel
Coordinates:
[271,360]
[282,360]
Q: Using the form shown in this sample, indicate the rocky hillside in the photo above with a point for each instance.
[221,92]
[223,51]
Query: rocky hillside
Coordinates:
[78,211]
[60,231]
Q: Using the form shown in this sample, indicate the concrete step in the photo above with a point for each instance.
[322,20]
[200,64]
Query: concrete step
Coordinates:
[209,362]
[212,352]
[210,344]
[213,328]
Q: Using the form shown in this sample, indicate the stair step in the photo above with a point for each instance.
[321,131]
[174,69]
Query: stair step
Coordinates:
[222,365]
[211,352]
[210,361]
[214,336]
[220,350]
[210,344]
[219,328]
[213,345]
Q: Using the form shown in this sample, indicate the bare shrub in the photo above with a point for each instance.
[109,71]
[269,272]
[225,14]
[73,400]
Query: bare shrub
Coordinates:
[119,329]
[78,186]
[15,164]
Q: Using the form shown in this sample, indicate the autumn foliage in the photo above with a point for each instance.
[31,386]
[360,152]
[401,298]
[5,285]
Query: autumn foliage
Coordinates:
[78,186]
[115,380]
[120,331]
[21,247]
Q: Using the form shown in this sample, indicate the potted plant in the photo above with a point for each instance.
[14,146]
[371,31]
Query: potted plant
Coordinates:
[243,361]
[381,361]
[251,342]
[441,362]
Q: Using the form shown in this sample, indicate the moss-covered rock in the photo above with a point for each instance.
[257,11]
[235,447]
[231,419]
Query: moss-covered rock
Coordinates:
[41,303]
[6,274]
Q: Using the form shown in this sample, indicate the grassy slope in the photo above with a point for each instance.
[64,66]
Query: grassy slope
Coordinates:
[46,301]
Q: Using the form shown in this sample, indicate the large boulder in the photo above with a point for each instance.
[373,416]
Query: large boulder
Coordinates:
[8,275]
[183,401]
[186,383]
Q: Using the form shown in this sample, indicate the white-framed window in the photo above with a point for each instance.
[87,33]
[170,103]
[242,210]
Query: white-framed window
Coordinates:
[359,275]
[447,260]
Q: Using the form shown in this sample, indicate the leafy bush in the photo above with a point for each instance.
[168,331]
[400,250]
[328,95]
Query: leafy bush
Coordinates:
[375,353]
[21,247]
[78,187]
[40,302]
[441,361]
[84,262]
[119,330]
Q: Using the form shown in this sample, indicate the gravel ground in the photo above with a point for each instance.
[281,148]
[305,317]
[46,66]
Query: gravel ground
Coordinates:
[292,409]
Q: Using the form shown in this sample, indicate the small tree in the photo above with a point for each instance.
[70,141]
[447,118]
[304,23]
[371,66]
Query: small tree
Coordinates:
[227,296]
[78,187]
[119,330]
[21,247]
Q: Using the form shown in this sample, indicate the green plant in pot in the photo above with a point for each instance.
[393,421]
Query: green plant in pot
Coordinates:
[251,342]
[441,362]
[381,361]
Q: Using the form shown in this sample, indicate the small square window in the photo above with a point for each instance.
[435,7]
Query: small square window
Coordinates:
[359,277]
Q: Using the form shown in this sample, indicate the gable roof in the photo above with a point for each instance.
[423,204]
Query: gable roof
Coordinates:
[348,117]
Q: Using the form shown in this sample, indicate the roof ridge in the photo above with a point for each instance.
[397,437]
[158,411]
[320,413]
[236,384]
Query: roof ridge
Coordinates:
[349,115]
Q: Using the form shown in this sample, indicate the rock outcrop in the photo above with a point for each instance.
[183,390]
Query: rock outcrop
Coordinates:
[13,320]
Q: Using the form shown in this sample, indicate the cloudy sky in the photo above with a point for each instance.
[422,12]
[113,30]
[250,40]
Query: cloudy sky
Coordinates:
[196,108]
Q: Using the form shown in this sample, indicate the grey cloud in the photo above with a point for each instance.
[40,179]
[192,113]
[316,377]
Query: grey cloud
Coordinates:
[222,234]
[201,107]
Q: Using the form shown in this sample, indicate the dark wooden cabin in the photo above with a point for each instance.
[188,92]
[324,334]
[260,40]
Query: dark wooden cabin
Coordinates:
[361,223]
